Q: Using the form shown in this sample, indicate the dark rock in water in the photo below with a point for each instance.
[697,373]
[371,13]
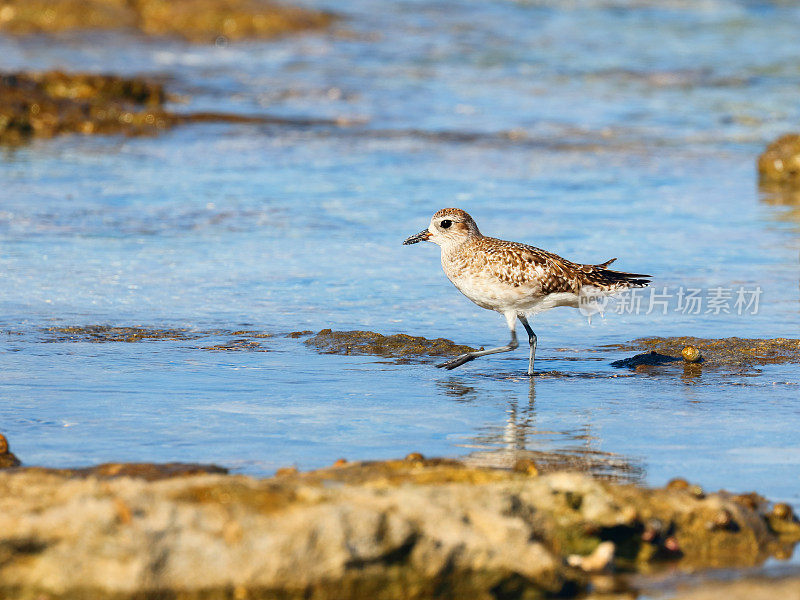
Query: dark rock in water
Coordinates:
[649,359]
[779,165]
[391,346]
[192,20]
[732,354]
[7,458]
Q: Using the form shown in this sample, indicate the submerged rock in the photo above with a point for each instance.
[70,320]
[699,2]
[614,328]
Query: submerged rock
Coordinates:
[107,333]
[241,340]
[779,165]
[738,354]
[192,20]
[400,345]
[395,529]
[237,345]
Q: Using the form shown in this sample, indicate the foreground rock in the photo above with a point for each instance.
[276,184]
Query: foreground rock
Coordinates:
[192,20]
[779,165]
[730,354]
[397,529]
[400,346]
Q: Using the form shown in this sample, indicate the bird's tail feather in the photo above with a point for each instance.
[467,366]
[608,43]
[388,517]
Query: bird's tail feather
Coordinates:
[602,277]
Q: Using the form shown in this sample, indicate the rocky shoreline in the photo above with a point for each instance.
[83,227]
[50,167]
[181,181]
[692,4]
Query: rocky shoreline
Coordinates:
[411,528]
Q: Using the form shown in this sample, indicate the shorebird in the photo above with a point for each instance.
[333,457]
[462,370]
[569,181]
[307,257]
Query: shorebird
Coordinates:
[515,279]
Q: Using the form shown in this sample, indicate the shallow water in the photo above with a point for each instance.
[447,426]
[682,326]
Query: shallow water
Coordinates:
[594,130]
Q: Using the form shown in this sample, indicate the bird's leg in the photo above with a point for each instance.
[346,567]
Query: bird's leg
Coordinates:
[513,344]
[531,341]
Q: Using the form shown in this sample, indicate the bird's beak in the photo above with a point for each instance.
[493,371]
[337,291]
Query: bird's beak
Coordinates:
[420,237]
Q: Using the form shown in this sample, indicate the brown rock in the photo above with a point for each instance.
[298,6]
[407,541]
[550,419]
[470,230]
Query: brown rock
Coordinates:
[526,465]
[192,20]
[7,458]
[779,165]
[691,354]
[283,471]
[47,104]
[783,511]
[53,103]
[678,483]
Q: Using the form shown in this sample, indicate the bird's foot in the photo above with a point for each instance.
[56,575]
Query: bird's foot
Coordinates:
[456,362]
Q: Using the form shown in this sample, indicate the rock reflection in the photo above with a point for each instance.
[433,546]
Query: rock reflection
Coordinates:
[786,197]
[519,438]
[460,392]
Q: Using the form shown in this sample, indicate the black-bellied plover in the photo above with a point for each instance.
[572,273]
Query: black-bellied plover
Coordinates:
[514,279]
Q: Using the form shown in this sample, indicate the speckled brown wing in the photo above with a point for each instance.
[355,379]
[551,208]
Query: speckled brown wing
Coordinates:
[521,264]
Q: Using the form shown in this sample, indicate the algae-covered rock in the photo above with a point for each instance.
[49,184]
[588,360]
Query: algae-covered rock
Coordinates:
[192,20]
[53,103]
[205,20]
[400,345]
[779,165]
[734,354]
[47,104]
[414,528]
[108,333]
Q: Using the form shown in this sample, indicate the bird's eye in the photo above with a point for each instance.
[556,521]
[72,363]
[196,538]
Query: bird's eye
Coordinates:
[446,223]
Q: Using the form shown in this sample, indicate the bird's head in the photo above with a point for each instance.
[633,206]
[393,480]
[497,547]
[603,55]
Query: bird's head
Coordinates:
[449,227]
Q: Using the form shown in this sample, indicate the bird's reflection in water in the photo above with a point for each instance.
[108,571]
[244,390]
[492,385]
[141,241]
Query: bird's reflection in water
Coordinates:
[502,446]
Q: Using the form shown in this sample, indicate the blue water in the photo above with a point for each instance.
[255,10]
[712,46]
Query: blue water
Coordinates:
[597,129]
